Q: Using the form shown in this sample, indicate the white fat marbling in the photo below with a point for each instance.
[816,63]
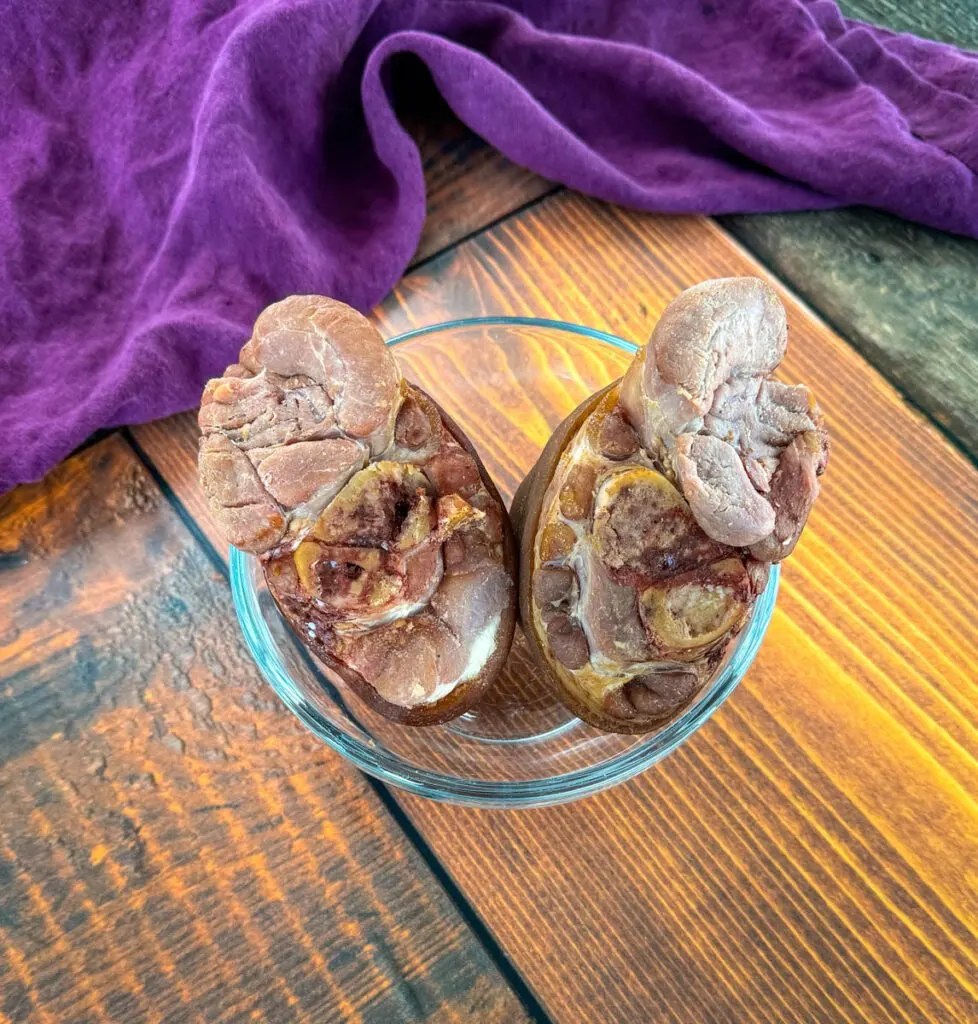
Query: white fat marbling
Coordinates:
[480,652]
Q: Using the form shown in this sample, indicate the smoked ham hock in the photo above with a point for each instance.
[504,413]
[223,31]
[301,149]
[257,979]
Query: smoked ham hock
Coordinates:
[649,522]
[382,538]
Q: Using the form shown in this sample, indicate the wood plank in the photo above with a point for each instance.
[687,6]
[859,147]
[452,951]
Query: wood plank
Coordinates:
[795,856]
[903,294]
[808,855]
[468,184]
[173,845]
[949,21]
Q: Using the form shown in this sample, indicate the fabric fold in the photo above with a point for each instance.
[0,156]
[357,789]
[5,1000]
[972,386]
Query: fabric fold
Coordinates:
[170,168]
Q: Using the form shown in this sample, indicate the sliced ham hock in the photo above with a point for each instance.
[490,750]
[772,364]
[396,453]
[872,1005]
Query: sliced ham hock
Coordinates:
[648,524]
[382,538]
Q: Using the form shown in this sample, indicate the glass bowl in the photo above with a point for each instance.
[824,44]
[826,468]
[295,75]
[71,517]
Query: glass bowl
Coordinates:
[508,382]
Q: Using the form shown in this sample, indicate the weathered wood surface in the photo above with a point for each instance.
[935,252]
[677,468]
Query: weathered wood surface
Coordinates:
[950,21]
[810,854]
[904,295]
[468,184]
[173,845]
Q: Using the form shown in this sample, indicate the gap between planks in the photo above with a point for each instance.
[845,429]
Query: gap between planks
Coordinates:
[470,917]
[639,235]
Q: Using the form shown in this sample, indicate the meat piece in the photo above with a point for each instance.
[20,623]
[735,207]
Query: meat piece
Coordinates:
[235,405]
[308,473]
[759,418]
[383,542]
[759,573]
[248,516]
[468,549]
[655,695]
[418,432]
[644,529]
[794,488]
[452,513]
[554,588]
[720,494]
[567,640]
[556,593]
[617,438]
[704,403]
[361,586]
[608,611]
[386,505]
[336,349]
[577,493]
[470,602]
[453,471]
[494,515]
[418,660]
[651,518]
[686,616]
[422,571]
[709,334]
[417,422]
[266,411]
[368,566]
[409,662]
[313,371]
[557,542]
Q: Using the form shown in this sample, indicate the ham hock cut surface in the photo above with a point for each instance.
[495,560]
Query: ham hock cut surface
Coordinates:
[648,525]
[382,538]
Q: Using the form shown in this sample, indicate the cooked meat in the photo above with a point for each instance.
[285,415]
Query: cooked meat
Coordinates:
[701,396]
[656,508]
[383,541]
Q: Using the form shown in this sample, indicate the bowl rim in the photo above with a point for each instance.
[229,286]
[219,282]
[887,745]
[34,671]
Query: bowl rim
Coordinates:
[390,768]
[514,321]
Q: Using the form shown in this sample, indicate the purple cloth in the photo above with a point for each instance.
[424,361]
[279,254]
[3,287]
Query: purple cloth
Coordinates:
[168,167]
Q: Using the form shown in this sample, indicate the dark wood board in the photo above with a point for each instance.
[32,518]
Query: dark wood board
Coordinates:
[903,294]
[806,856]
[174,846]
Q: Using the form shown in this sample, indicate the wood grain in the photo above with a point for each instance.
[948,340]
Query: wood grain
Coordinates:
[468,184]
[949,21]
[902,294]
[810,855]
[173,845]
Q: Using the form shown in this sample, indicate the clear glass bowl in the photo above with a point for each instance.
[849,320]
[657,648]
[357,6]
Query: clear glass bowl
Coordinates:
[508,382]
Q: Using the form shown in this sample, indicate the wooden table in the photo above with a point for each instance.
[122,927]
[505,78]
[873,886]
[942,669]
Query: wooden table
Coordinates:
[174,846]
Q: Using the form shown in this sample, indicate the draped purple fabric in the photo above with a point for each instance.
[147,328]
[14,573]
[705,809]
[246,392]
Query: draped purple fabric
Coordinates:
[169,167]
